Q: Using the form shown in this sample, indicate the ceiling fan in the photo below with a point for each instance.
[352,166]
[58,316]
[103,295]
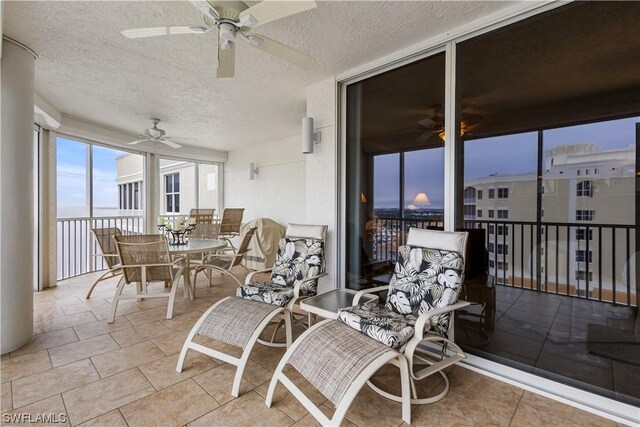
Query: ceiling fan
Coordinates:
[433,124]
[231,19]
[155,134]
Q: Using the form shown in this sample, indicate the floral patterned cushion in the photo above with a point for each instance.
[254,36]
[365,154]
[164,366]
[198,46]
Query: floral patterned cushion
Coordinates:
[266,292]
[298,259]
[380,323]
[425,279]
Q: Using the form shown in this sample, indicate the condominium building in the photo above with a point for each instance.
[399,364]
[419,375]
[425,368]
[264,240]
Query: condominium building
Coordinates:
[586,215]
[183,185]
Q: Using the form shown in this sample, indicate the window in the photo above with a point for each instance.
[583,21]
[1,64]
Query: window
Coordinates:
[581,275]
[172,192]
[492,229]
[492,193]
[584,189]
[581,256]
[584,215]
[136,195]
[581,234]
[479,194]
[479,213]
[491,247]
[130,196]
[503,265]
[492,263]
[503,230]
[491,213]
[503,213]
[503,249]
[578,171]
[503,193]
[469,210]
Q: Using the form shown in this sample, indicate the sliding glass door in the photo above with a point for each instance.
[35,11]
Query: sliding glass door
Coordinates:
[546,181]
[549,111]
[395,158]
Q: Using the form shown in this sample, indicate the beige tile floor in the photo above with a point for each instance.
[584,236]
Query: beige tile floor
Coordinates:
[124,374]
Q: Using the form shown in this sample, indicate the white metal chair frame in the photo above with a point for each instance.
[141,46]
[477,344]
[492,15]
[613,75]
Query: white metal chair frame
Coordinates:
[240,362]
[280,314]
[141,287]
[296,292]
[403,357]
[391,356]
[425,238]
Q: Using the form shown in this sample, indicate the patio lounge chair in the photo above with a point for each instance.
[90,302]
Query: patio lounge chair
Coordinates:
[108,251]
[240,320]
[339,356]
[145,259]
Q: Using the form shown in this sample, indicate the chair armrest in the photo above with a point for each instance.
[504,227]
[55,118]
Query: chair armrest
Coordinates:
[422,319]
[106,255]
[214,256]
[253,273]
[359,294]
[296,289]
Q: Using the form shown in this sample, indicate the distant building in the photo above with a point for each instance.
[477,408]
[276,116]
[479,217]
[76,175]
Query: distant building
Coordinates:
[582,188]
[183,185]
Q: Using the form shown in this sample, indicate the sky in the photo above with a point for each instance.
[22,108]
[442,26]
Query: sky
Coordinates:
[72,175]
[504,155]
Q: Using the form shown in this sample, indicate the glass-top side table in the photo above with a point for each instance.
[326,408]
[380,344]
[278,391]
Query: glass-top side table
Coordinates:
[328,304]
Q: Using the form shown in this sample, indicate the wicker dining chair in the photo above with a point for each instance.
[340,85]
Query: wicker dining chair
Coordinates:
[108,252]
[231,222]
[225,260]
[144,259]
[202,216]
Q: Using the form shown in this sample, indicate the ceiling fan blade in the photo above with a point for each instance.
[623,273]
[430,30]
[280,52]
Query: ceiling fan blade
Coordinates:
[138,33]
[205,8]
[140,140]
[226,61]
[280,50]
[171,143]
[427,122]
[270,10]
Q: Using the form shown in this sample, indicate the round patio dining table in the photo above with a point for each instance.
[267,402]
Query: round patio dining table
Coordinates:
[194,246]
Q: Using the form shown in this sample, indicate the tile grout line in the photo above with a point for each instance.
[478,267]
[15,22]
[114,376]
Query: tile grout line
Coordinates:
[517,407]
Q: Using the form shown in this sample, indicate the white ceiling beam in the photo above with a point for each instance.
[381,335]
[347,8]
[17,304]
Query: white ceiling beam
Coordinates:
[117,138]
[45,114]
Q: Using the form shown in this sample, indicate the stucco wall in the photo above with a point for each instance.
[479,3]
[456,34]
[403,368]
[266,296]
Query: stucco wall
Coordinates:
[278,191]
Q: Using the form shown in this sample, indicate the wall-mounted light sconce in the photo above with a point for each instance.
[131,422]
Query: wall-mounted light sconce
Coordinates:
[309,137]
[253,171]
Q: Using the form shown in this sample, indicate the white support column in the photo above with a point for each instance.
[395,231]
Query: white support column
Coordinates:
[450,139]
[48,219]
[151,193]
[16,193]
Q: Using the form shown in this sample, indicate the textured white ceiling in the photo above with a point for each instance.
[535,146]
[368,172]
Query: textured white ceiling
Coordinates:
[87,69]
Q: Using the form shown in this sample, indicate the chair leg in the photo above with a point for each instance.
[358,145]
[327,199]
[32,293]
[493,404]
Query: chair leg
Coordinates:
[98,280]
[172,295]
[116,298]
[405,380]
